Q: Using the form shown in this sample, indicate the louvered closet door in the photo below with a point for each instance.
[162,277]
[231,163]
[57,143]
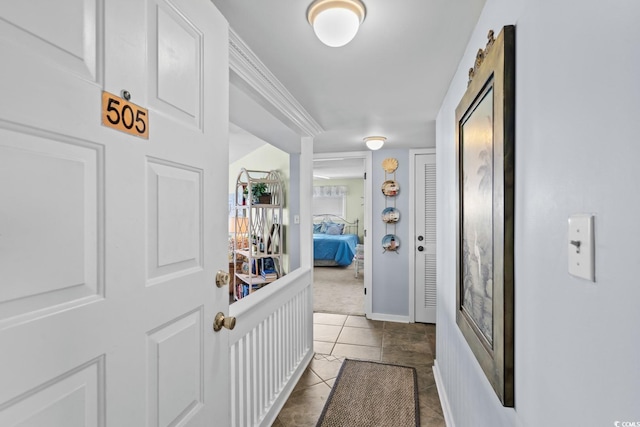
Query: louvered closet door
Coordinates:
[425,238]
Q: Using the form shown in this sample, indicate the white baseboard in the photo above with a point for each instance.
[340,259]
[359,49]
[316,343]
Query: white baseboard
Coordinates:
[389,318]
[442,393]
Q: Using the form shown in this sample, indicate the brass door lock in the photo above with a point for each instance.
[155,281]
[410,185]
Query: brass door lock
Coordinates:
[222,278]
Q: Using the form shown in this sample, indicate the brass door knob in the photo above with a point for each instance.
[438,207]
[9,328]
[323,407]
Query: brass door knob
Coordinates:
[220,321]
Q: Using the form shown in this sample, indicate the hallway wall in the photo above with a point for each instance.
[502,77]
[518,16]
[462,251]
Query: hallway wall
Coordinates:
[577,68]
[390,270]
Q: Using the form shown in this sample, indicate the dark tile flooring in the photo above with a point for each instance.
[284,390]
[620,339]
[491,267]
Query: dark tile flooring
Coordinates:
[338,336]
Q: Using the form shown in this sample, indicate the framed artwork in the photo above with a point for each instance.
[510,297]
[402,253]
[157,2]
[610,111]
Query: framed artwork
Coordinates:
[485,143]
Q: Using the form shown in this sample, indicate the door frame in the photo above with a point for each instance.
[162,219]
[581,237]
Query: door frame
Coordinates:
[262,106]
[412,228]
[367,226]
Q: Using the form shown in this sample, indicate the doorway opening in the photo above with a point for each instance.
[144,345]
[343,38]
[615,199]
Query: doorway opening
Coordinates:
[339,218]
[249,152]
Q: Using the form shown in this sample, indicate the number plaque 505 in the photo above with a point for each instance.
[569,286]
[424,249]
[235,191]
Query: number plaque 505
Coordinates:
[120,114]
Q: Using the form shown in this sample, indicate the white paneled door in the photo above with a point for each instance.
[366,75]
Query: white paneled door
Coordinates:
[109,242]
[425,237]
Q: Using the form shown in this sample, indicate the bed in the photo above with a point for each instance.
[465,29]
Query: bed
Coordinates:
[334,240]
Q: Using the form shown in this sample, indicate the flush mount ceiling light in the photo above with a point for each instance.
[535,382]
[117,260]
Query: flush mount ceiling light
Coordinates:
[375,142]
[336,22]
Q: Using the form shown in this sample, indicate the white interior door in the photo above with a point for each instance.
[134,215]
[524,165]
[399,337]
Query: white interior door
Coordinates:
[425,238]
[109,243]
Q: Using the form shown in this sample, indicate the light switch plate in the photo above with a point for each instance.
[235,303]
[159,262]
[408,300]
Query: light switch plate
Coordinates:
[581,247]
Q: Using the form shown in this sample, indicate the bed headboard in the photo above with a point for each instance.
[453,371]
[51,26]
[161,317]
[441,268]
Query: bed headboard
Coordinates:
[349,227]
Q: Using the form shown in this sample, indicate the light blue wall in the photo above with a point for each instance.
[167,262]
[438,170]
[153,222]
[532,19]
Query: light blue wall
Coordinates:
[390,277]
[576,342]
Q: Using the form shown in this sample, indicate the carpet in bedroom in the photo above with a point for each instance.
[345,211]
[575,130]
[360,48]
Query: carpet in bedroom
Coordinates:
[337,290]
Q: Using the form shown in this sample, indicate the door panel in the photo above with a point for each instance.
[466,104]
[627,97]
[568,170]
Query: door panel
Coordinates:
[63,188]
[67,35]
[179,42]
[425,239]
[75,398]
[176,370]
[108,248]
[174,220]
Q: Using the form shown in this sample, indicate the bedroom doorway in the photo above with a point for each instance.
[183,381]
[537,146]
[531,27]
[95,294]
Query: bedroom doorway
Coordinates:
[340,218]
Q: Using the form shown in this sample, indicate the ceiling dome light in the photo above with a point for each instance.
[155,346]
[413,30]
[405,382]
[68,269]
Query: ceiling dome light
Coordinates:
[336,22]
[375,142]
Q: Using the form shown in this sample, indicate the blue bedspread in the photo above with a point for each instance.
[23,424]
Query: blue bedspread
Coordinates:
[339,248]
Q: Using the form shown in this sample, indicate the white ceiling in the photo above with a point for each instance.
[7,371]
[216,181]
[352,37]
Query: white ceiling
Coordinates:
[241,143]
[390,80]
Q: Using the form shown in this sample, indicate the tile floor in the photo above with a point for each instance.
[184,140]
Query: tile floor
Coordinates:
[338,336]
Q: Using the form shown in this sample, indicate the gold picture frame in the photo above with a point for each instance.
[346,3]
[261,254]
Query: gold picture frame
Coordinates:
[485,145]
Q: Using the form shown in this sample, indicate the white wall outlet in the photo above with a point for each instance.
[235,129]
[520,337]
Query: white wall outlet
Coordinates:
[581,247]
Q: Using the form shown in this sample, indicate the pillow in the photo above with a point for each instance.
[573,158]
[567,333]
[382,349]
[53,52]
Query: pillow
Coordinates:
[317,228]
[334,229]
[325,225]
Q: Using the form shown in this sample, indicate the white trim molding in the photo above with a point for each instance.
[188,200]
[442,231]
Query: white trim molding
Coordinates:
[388,317]
[248,67]
[442,393]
